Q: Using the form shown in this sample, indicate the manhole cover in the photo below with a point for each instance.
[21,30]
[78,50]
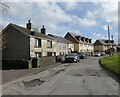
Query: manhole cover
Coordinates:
[33,83]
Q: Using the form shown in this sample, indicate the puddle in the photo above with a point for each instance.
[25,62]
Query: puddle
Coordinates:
[58,71]
[33,83]
[93,75]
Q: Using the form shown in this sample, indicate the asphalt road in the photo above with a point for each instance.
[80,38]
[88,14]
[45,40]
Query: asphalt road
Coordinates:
[83,78]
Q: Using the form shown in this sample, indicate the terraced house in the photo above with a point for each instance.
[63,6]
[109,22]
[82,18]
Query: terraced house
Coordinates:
[24,45]
[102,45]
[63,46]
[81,44]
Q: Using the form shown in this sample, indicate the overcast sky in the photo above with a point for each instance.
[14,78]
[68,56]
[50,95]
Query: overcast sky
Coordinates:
[89,19]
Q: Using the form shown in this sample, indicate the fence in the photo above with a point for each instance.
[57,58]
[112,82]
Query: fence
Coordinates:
[14,64]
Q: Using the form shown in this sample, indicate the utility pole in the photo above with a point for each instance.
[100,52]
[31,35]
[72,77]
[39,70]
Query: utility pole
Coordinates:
[109,40]
[108,33]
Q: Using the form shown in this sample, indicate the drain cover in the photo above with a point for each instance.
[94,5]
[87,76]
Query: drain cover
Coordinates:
[33,83]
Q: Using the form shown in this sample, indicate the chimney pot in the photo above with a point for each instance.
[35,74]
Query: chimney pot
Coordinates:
[28,25]
[43,30]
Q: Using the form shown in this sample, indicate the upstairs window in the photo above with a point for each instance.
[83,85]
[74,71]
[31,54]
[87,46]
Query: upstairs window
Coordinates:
[37,42]
[49,44]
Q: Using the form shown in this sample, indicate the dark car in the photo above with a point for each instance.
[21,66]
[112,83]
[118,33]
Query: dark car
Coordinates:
[72,57]
[83,55]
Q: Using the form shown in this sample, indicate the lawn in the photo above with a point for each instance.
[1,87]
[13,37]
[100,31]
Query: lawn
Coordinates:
[112,63]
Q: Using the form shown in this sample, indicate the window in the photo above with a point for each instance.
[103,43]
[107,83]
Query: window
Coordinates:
[49,54]
[38,54]
[37,42]
[60,53]
[49,44]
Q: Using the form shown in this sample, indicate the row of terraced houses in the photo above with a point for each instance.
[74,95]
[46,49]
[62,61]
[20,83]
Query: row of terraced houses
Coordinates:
[24,45]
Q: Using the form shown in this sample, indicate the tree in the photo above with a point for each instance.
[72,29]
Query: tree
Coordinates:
[2,40]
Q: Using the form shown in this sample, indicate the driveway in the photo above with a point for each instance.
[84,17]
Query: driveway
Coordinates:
[83,78]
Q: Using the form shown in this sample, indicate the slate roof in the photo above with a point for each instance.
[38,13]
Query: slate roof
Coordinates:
[73,34]
[103,42]
[26,31]
[75,37]
[59,38]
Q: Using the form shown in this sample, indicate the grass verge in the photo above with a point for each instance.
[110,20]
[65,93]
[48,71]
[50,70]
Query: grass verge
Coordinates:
[112,63]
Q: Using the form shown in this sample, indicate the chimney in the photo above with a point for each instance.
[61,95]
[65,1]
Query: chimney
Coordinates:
[43,30]
[28,25]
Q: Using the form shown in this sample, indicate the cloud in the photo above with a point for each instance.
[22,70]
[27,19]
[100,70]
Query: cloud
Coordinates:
[88,21]
[96,35]
[20,10]
[59,21]
[105,27]
[109,12]
[69,6]
[116,37]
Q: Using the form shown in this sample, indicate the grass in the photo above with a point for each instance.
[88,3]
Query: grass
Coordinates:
[112,63]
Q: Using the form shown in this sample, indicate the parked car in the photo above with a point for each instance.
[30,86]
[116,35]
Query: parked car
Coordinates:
[97,54]
[72,57]
[83,55]
[103,53]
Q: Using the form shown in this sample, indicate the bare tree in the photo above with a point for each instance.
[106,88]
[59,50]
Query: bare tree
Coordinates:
[2,40]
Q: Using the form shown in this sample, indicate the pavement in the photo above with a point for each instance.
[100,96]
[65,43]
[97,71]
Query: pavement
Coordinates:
[13,74]
[83,78]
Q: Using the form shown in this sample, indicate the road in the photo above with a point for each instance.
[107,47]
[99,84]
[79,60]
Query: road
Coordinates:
[83,78]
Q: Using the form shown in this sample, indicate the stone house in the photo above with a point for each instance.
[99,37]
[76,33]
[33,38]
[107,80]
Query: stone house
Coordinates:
[102,45]
[63,46]
[23,44]
[81,44]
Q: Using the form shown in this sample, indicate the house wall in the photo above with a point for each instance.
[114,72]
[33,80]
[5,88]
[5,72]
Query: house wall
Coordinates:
[103,47]
[85,47]
[17,45]
[62,48]
[70,38]
[71,47]
[33,49]
[98,48]
[76,47]
[79,46]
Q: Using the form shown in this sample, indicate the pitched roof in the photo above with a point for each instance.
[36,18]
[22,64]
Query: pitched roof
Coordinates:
[59,38]
[103,42]
[75,37]
[73,34]
[26,31]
